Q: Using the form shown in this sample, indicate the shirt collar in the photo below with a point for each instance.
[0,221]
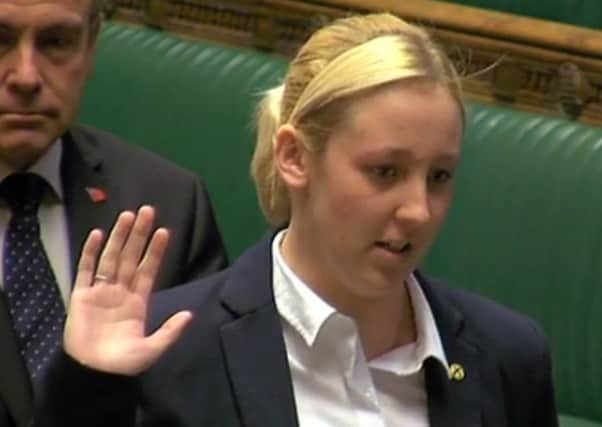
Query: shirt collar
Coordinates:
[296,302]
[306,312]
[48,167]
[428,342]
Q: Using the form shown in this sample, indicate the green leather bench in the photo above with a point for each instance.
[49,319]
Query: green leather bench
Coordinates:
[526,226]
[526,229]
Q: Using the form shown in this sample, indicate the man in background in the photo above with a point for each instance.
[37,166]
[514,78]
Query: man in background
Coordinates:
[59,180]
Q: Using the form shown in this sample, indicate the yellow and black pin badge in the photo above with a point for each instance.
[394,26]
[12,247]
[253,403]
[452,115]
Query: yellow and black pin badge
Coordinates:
[456,372]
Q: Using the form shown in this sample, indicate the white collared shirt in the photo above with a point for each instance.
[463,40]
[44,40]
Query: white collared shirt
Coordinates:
[53,219]
[333,383]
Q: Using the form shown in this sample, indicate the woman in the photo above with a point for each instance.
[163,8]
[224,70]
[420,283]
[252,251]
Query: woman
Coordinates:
[326,321]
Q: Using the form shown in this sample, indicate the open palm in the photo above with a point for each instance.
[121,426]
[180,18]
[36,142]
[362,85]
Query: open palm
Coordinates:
[106,322]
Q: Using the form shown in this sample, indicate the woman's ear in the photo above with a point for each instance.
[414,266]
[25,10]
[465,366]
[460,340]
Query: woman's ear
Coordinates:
[290,156]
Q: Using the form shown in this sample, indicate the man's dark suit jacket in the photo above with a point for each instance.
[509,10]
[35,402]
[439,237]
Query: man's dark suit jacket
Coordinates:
[127,177]
[230,369]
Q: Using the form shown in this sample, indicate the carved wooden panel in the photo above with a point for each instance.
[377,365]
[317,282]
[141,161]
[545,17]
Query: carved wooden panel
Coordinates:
[510,60]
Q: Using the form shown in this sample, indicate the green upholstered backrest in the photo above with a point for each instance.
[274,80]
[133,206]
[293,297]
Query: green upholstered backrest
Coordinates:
[190,102]
[526,229]
[585,13]
[526,226]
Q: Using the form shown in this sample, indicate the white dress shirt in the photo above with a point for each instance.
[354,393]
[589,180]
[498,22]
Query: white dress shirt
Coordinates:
[54,229]
[333,383]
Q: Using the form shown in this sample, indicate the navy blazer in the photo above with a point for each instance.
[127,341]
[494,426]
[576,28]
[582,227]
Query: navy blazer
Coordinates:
[129,177]
[230,369]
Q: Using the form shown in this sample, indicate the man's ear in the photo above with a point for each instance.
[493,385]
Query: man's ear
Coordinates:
[290,156]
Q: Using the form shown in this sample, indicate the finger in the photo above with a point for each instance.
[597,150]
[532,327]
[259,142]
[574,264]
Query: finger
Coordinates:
[167,334]
[150,264]
[87,259]
[109,260]
[135,244]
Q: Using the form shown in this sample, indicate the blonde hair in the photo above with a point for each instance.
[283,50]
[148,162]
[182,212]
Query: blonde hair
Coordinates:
[344,59]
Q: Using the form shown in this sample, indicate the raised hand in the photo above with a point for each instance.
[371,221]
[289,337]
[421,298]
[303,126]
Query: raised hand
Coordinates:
[105,327]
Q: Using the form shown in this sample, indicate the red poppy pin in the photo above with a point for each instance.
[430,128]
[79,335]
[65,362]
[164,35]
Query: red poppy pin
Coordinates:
[97,195]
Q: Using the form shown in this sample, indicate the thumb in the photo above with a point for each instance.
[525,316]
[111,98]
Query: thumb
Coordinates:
[167,334]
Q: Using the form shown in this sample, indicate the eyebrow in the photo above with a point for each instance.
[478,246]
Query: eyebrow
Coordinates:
[70,25]
[69,28]
[401,153]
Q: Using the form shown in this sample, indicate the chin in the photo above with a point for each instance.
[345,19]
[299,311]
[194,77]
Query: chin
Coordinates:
[22,148]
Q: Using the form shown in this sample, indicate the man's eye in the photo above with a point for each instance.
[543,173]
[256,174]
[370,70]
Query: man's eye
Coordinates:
[441,176]
[59,41]
[6,40]
[56,42]
[385,171]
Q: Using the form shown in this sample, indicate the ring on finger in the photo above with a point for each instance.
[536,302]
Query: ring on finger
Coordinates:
[102,278]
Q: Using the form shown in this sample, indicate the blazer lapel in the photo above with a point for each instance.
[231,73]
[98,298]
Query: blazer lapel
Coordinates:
[454,398]
[91,201]
[259,373]
[454,402]
[15,387]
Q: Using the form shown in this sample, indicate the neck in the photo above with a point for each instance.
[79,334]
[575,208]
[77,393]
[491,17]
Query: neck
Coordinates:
[383,322]
[386,324]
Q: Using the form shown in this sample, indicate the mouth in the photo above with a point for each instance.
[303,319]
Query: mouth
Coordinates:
[24,115]
[395,247]
[24,120]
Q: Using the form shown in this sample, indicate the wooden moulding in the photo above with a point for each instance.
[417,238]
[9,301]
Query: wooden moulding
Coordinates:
[525,63]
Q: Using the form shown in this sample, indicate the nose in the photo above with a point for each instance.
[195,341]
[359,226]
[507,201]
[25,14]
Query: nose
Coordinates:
[413,207]
[24,75]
